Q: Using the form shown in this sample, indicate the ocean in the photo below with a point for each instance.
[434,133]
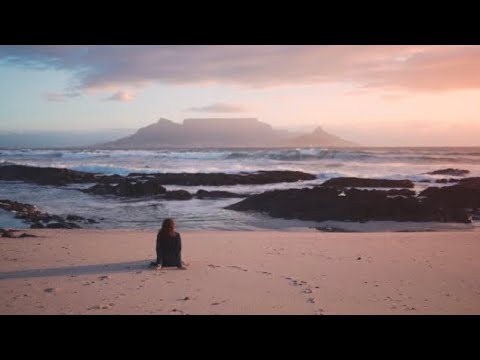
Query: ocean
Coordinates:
[196,214]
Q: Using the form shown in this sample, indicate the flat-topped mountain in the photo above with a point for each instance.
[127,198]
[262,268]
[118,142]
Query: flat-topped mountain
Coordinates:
[220,132]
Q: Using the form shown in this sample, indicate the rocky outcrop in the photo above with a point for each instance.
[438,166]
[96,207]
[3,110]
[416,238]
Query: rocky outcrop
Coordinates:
[38,219]
[109,179]
[128,189]
[12,234]
[325,203]
[220,179]
[343,182]
[450,171]
[400,192]
[203,194]
[139,184]
[445,181]
[455,196]
[471,183]
[44,176]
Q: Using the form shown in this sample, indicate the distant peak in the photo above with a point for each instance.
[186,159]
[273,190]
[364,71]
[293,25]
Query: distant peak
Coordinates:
[163,120]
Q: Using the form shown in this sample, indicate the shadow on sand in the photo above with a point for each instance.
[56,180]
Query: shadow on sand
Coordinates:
[78,270]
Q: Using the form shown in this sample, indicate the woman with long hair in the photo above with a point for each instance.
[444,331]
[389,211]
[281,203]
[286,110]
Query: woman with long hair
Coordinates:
[169,246]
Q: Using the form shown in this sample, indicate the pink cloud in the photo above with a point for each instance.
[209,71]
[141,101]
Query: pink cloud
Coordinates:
[122,96]
[416,68]
[219,108]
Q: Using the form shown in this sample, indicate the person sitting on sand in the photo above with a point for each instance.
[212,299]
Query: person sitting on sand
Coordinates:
[169,246]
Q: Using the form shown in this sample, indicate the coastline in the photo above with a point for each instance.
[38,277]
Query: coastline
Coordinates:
[242,272]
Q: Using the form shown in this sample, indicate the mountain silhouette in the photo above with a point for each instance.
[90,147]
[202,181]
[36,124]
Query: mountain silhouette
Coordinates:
[220,132]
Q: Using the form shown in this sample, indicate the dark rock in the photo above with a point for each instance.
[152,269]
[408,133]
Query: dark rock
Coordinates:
[75,218]
[400,192]
[44,176]
[444,181]
[126,188]
[37,225]
[24,235]
[475,214]
[153,187]
[101,189]
[6,233]
[471,183]
[35,217]
[11,234]
[109,179]
[343,182]
[129,189]
[203,194]
[178,195]
[456,196]
[450,171]
[323,203]
[219,179]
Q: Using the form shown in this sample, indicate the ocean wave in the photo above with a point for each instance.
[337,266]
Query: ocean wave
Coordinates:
[6,163]
[113,170]
[294,155]
[31,153]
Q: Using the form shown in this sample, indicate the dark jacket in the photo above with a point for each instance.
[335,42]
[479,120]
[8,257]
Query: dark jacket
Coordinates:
[169,250]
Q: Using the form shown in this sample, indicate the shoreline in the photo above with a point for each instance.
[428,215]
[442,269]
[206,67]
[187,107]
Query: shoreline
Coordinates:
[86,271]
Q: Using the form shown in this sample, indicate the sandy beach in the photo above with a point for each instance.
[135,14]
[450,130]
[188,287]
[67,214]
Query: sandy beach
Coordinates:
[311,273]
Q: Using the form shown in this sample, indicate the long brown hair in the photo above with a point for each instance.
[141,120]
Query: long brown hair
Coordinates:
[168,227]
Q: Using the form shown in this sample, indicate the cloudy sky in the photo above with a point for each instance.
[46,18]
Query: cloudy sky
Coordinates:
[374,95]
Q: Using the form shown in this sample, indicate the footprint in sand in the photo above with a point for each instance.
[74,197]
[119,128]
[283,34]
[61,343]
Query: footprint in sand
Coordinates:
[219,302]
[50,290]
[237,267]
[102,307]
[295,283]
[177,311]
[303,284]
[264,272]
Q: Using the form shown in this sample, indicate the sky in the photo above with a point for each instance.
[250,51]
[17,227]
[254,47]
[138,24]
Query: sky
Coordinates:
[372,95]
